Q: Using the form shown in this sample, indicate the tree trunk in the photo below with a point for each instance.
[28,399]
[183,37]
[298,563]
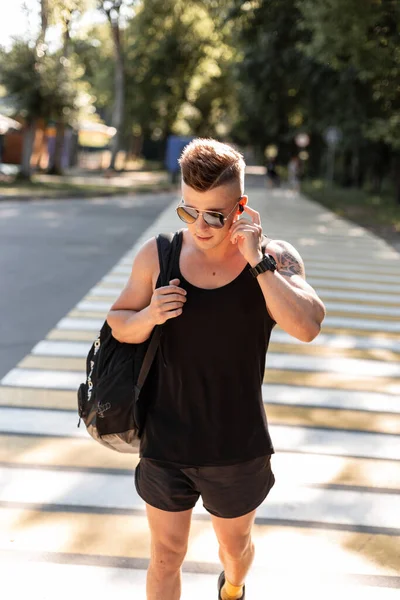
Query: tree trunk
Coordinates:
[27,148]
[119,91]
[44,17]
[56,167]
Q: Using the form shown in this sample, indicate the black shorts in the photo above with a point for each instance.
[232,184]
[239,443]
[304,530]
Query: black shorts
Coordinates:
[227,491]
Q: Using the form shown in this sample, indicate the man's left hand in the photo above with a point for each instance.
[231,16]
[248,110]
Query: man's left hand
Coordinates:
[248,236]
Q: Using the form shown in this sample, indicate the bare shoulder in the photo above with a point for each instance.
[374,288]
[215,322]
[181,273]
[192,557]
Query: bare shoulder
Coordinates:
[139,288]
[289,261]
[146,259]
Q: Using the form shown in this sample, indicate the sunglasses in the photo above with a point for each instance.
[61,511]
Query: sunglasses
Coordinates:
[214,219]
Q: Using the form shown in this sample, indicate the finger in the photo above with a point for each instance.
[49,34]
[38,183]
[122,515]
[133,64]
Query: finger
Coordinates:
[245,224]
[174,282]
[253,214]
[165,298]
[168,306]
[173,313]
[171,289]
[172,298]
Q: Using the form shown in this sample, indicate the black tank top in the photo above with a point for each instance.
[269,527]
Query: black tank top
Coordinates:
[204,388]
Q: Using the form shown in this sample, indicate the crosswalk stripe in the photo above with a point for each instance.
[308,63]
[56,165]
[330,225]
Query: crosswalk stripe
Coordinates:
[384,385]
[290,414]
[45,379]
[312,350]
[94,324]
[332,418]
[70,380]
[348,551]
[285,437]
[346,366]
[333,338]
[71,335]
[373,310]
[53,363]
[88,314]
[33,486]
[289,467]
[372,269]
[356,308]
[272,394]
[61,349]
[80,324]
[314,280]
[330,398]
[36,398]
[101,290]
[356,276]
[114,578]
[80,350]
[367,325]
[353,331]
[41,371]
[369,286]
[364,340]
[364,298]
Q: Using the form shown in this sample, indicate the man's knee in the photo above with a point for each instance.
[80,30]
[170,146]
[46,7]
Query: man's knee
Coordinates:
[237,547]
[168,556]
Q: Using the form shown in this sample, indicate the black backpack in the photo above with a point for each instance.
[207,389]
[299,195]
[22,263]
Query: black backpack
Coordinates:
[109,400]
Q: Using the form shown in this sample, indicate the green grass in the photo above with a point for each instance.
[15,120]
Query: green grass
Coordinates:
[377,212]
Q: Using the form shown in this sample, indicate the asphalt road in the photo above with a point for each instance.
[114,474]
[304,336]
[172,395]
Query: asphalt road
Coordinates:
[53,252]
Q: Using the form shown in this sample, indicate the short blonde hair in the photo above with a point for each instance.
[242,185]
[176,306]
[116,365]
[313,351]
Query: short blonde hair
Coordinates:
[207,164]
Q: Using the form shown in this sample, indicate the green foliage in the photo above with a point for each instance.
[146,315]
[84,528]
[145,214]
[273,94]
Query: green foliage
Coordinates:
[178,70]
[94,47]
[21,79]
[44,85]
[362,37]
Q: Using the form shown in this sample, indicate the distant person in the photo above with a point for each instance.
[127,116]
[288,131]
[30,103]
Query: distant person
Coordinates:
[206,433]
[273,178]
[294,173]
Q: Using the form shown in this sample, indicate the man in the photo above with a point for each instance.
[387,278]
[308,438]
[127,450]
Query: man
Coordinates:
[206,432]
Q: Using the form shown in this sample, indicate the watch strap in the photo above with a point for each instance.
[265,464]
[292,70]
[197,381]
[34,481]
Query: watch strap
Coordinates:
[268,263]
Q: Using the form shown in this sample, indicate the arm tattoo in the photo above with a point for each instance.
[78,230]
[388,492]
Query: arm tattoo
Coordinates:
[289,260]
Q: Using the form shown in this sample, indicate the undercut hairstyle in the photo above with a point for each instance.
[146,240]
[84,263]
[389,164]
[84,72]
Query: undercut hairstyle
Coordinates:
[207,164]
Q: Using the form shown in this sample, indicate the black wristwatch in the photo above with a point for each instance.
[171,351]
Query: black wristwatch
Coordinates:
[268,263]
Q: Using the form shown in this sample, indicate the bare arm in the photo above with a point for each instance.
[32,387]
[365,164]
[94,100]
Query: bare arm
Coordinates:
[140,307]
[291,301]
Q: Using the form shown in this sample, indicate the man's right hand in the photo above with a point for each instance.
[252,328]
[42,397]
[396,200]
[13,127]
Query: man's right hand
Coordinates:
[167,302]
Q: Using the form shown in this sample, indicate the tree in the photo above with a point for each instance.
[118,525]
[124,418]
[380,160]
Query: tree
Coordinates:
[362,37]
[178,66]
[112,9]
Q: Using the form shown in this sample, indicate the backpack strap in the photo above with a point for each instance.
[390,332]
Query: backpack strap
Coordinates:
[168,246]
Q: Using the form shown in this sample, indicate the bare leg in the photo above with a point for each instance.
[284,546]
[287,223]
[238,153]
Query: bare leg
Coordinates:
[169,539]
[236,549]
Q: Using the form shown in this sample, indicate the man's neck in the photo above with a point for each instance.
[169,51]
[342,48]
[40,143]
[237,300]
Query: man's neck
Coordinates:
[223,252]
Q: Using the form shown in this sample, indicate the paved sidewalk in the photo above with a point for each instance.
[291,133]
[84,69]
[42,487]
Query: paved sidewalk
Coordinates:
[331,524]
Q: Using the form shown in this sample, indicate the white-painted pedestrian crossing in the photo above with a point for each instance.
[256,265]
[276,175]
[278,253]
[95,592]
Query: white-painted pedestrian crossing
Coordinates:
[102,307]
[330,398]
[368,286]
[333,408]
[286,438]
[44,487]
[341,341]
